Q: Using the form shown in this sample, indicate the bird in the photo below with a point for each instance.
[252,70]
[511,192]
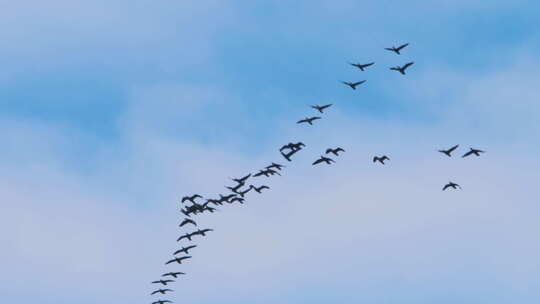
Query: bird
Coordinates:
[397,49]
[239,199]
[172,274]
[162,291]
[451,185]
[226,198]
[321,108]
[191,198]
[362,66]
[187,221]
[185,236]
[185,212]
[449,151]
[335,151]
[184,249]
[274,165]
[403,68]
[380,159]
[164,282]
[178,260]
[353,85]
[202,232]
[235,188]
[242,180]
[473,151]
[308,120]
[162,302]
[323,159]
[259,189]
[298,145]
[287,146]
[288,154]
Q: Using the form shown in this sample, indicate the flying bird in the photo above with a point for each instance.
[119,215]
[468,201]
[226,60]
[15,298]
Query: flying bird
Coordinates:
[380,159]
[162,291]
[321,108]
[235,188]
[164,282]
[335,151]
[449,151]
[173,274]
[185,236]
[239,199]
[362,66]
[402,68]
[353,85]
[242,180]
[187,221]
[451,185]
[288,155]
[473,151]
[287,146]
[184,249]
[179,260]
[191,198]
[162,302]
[274,165]
[323,159]
[308,120]
[202,232]
[259,189]
[397,49]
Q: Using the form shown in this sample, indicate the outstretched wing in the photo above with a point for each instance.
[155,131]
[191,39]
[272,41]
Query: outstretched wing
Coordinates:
[318,161]
[468,153]
[407,65]
[453,148]
[401,46]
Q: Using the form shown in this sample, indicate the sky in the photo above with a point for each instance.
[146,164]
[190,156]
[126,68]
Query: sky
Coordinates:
[112,111]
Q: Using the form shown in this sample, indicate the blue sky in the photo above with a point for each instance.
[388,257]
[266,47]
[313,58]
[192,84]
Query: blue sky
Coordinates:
[111,112]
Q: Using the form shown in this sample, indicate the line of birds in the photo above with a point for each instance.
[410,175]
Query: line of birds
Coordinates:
[239,191]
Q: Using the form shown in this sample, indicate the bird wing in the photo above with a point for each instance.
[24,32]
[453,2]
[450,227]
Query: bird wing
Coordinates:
[407,65]
[339,149]
[359,82]
[317,161]
[402,46]
[390,49]
[302,120]
[329,150]
[468,153]
[453,148]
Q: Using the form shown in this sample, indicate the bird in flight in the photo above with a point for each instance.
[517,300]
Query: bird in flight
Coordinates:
[259,189]
[321,108]
[184,249]
[235,188]
[451,185]
[449,151]
[240,199]
[164,282]
[362,66]
[202,232]
[308,120]
[473,151]
[178,260]
[162,302]
[185,236]
[187,221]
[402,68]
[288,154]
[276,166]
[191,198]
[323,159]
[380,159]
[353,85]
[242,180]
[335,151]
[172,274]
[162,291]
[397,49]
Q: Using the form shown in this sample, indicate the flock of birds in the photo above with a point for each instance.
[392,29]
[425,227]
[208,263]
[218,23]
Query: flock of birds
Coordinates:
[238,192]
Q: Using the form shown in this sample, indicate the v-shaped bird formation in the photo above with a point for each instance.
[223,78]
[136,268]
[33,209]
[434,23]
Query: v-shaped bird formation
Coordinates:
[196,204]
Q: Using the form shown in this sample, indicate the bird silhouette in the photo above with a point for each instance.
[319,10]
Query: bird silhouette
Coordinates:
[179,260]
[162,302]
[321,108]
[162,291]
[202,232]
[402,68]
[397,49]
[187,221]
[190,198]
[173,274]
[449,151]
[242,180]
[287,146]
[380,159]
[335,151]
[473,151]
[226,198]
[362,66]
[235,188]
[353,85]
[239,199]
[451,185]
[185,236]
[308,120]
[259,189]
[323,159]
[184,249]
[274,165]
[164,282]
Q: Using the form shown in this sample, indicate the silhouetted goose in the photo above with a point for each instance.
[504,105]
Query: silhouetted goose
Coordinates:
[287,146]
[362,66]
[288,155]
[242,180]
[191,198]
[335,151]
[179,260]
[298,146]
[162,302]
[259,189]
[173,274]
[164,282]
[241,193]
[451,185]
[353,85]
[308,120]
[162,291]
[274,165]
[321,108]
[323,159]
[449,151]
[402,68]
[187,221]
[185,236]
[235,188]
[473,151]
[397,49]
[184,249]
[238,199]
[202,232]
[226,198]
[213,201]
[380,159]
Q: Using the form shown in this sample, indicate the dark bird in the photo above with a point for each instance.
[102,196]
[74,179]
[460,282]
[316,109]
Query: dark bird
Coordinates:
[164,282]
[323,159]
[473,151]
[451,185]
[239,199]
[274,165]
[287,146]
[235,188]
[213,201]
[241,180]
[380,159]
[162,302]
[449,151]
[173,274]
[397,49]
[185,236]
[179,260]
[226,198]
[185,212]
[403,68]
[259,189]
[184,249]
[202,232]
[187,221]
[353,85]
[362,66]
[162,291]
[308,120]
[191,198]
[298,145]
[209,209]
[321,108]
[335,151]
